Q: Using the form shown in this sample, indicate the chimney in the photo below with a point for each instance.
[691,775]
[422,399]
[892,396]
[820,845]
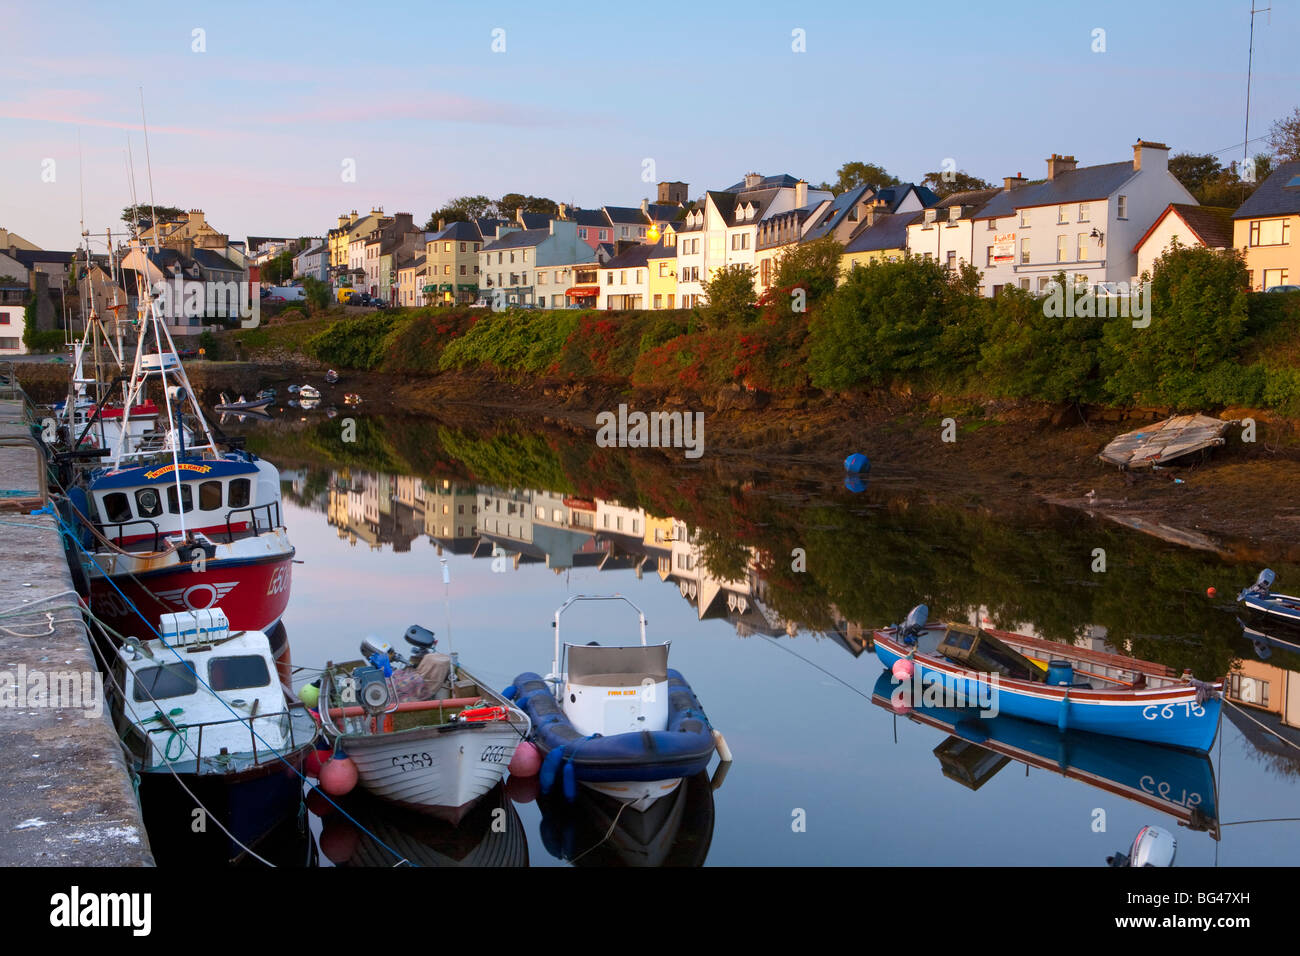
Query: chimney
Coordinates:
[752,180]
[800,194]
[442,224]
[1011,182]
[564,210]
[871,216]
[1059,164]
[645,207]
[1156,155]
[343,221]
[519,215]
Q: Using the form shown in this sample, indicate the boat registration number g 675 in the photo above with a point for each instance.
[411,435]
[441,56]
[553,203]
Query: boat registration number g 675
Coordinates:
[405,762]
[1152,711]
[493,754]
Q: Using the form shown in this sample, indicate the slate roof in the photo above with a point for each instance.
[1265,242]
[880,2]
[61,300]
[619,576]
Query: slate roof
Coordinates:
[663,212]
[1211,224]
[631,215]
[767,182]
[635,257]
[661,251]
[519,239]
[887,232]
[1084,184]
[457,232]
[33,257]
[535,220]
[207,259]
[588,217]
[1279,195]
[605,247]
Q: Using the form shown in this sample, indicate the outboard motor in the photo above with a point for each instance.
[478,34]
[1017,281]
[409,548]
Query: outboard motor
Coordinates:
[915,624]
[1261,585]
[1153,846]
[422,639]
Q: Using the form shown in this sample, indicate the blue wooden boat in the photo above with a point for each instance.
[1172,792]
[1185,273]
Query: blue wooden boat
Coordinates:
[1168,779]
[1269,609]
[618,720]
[1078,689]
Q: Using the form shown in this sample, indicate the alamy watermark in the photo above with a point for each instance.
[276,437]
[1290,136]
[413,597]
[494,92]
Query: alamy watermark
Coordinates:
[653,430]
[1105,301]
[179,298]
[930,689]
[31,689]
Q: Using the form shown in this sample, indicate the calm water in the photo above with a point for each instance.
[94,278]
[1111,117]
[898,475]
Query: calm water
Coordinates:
[778,655]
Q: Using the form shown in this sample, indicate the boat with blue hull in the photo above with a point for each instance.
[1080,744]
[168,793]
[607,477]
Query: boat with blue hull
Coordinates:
[1168,779]
[615,719]
[1072,688]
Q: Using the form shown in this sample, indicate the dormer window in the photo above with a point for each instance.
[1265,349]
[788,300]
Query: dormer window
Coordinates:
[954,213]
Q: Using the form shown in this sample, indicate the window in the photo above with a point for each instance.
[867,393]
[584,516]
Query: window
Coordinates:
[238,673]
[462,247]
[512,255]
[658,301]
[1024,218]
[1062,248]
[952,260]
[186,500]
[1043,283]
[541,278]
[1121,207]
[210,496]
[169,680]
[1083,212]
[1270,232]
[240,490]
[663,269]
[1082,249]
[148,503]
[117,507]
[1024,252]
[1274,277]
[1024,284]
[462,269]
[609,279]
[988,255]
[1062,214]
[446,247]
[993,225]
[582,233]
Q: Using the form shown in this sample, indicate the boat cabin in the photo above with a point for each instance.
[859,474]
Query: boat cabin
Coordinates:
[208,703]
[616,690]
[223,498]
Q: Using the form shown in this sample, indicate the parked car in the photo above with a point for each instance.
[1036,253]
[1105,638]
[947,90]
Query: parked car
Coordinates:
[1283,288]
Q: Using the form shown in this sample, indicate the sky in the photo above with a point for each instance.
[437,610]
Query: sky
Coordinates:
[276,118]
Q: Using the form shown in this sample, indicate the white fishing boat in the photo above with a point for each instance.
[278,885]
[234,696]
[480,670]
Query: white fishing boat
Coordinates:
[204,710]
[309,393]
[423,733]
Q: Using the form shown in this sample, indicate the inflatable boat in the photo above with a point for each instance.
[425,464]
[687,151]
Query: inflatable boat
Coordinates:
[615,719]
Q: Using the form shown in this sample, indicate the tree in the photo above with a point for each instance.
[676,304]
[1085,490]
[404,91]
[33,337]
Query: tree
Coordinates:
[1213,184]
[316,292]
[959,182]
[461,209]
[1195,171]
[813,267]
[731,298]
[278,269]
[510,203]
[859,174]
[145,211]
[1284,137]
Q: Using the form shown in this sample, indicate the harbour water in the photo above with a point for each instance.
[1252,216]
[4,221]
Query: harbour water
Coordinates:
[767,582]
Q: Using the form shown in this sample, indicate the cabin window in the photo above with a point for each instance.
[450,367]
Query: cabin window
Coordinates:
[117,507]
[186,499]
[148,503]
[169,680]
[239,493]
[210,496]
[237,673]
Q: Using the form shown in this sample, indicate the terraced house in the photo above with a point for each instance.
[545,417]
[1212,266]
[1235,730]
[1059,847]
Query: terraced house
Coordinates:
[1083,221]
[1267,227]
[508,265]
[451,256]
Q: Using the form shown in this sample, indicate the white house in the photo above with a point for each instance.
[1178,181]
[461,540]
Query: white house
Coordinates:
[1083,221]
[945,231]
[1207,226]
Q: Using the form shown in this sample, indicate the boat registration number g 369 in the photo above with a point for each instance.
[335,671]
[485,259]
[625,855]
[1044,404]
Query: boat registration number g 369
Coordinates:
[405,762]
[1168,711]
[493,754]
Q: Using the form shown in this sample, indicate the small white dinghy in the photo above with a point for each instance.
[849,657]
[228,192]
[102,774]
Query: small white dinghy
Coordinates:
[424,733]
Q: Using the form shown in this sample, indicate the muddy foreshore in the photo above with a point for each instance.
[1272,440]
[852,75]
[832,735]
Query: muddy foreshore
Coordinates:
[1242,500]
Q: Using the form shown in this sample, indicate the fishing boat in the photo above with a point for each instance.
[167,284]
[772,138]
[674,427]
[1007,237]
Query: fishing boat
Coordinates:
[331,377]
[423,732]
[1173,781]
[185,527]
[615,719]
[1268,609]
[1052,683]
[243,405]
[309,393]
[203,709]
[352,398]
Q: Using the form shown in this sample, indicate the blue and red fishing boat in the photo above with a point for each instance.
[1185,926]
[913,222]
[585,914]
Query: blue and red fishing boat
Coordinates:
[1073,688]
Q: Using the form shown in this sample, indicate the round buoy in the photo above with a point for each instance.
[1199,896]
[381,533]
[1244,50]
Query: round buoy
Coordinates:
[312,763]
[857,462]
[309,694]
[526,761]
[523,789]
[902,669]
[900,704]
[338,776]
[339,839]
[1211,592]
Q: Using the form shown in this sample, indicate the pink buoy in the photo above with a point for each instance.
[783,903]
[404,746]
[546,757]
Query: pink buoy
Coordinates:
[526,761]
[523,789]
[318,803]
[312,763]
[338,776]
[902,669]
[339,840]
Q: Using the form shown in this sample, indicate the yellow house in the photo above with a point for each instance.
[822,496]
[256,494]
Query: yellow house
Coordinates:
[881,237]
[662,263]
[1267,228]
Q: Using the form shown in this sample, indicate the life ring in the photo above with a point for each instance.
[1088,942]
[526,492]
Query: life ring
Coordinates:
[485,713]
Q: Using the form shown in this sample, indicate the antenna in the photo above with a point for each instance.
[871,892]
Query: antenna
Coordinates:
[1250,62]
